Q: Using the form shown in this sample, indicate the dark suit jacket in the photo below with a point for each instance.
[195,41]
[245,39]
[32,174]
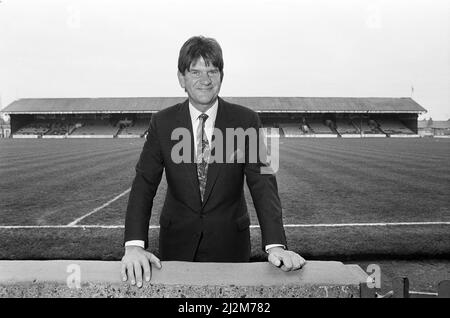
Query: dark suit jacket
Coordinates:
[221,221]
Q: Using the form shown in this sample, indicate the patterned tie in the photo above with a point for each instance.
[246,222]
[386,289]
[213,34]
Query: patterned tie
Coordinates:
[203,152]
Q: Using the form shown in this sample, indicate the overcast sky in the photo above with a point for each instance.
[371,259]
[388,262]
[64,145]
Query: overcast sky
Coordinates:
[354,48]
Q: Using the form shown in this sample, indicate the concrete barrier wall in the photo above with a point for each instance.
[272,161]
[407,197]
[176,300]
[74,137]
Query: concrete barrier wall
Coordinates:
[325,136]
[128,136]
[179,279]
[405,136]
[351,136]
[90,136]
[54,136]
[24,136]
[306,136]
[374,136]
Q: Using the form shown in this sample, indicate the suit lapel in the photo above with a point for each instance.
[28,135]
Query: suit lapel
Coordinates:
[184,120]
[214,167]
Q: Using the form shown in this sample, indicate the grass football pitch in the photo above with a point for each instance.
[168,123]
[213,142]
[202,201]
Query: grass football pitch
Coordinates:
[342,199]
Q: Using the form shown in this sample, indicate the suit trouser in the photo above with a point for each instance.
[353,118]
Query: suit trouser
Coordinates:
[200,252]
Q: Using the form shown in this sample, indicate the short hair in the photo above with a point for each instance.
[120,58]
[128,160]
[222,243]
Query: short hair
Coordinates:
[200,46]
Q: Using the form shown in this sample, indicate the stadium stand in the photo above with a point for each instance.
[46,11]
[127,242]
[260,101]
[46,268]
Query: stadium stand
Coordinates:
[346,126]
[305,128]
[37,128]
[367,126]
[318,127]
[393,126]
[294,116]
[136,128]
[292,130]
[61,128]
[95,127]
[332,125]
[374,126]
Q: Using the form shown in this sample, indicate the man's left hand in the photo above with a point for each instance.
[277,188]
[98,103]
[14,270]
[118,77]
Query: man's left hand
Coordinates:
[289,261]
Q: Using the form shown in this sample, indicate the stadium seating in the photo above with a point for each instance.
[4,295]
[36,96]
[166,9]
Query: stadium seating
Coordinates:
[345,126]
[61,128]
[36,128]
[392,126]
[368,126]
[137,128]
[318,127]
[292,130]
[95,127]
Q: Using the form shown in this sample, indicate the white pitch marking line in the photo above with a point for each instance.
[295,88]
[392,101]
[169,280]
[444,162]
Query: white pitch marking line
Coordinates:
[363,224]
[100,207]
[63,226]
[93,226]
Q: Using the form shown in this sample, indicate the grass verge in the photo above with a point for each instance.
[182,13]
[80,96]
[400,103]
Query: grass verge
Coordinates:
[342,244]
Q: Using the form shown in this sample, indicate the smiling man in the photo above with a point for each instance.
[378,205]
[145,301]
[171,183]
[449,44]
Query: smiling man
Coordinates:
[204,217]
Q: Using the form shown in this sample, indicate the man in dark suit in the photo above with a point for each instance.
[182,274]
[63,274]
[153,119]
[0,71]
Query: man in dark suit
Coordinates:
[204,217]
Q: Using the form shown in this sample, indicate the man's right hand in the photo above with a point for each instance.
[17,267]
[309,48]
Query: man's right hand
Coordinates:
[136,262]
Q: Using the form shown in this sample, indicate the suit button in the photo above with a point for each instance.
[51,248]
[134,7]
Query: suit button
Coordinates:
[201,216]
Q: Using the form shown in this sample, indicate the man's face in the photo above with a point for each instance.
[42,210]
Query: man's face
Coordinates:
[202,83]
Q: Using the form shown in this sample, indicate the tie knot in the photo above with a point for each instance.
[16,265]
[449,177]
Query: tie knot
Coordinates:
[203,117]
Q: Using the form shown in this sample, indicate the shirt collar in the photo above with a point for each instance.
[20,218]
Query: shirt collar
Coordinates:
[211,112]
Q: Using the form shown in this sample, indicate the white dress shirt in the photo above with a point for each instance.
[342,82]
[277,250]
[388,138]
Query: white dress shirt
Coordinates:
[209,128]
[209,123]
